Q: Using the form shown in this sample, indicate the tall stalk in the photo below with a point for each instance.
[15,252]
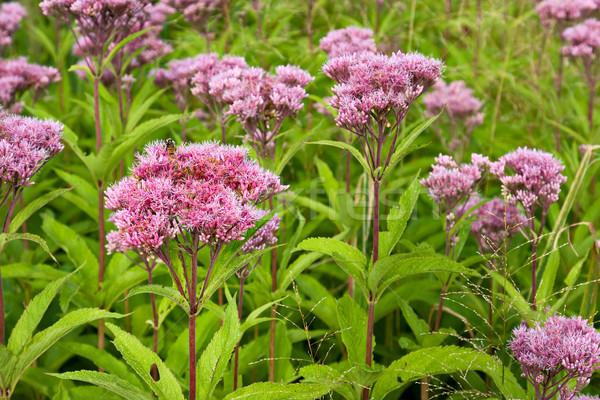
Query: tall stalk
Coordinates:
[273,309]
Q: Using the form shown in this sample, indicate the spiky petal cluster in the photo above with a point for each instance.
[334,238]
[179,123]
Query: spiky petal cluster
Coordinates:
[450,183]
[261,101]
[11,14]
[556,352]
[496,222]
[18,76]
[584,39]
[98,21]
[26,144]
[564,10]
[531,177]
[265,237]
[373,86]
[347,41]
[459,102]
[208,190]
[586,397]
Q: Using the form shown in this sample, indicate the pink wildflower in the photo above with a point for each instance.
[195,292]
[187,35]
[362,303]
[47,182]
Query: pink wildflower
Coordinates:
[347,41]
[556,352]
[11,14]
[564,10]
[584,39]
[18,76]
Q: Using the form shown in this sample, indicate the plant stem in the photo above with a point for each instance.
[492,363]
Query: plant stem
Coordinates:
[11,209]
[590,115]
[154,325]
[559,79]
[192,344]
[237,346]
[477,39]
[273,309]
[350,279]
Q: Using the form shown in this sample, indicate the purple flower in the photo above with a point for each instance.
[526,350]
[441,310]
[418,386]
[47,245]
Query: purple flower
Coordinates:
[18,76]
[26,144]
[208,190]
[564,10]
[448,183]
[531,177]
[551,355]
[11,14]
[584,39]
[347,41]
[496,222]
[261,101]
[265,237]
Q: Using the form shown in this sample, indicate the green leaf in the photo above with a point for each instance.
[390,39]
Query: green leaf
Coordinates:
[513,297]
[280,391]
[23,330]
[398,218]
[121,44]
[109,382]
[453,359]
[216,356]
[141,359]
[546,284]
[329,182]
[353,324]
[32,207]
[402,149]
[342,145]
[45,339]
[348,258]
[113,155]
[297,144]
[392,268]
[319,373]
[164,291]
[419,327]
[9,237]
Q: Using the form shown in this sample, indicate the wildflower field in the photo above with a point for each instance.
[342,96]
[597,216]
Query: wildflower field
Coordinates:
[299,199]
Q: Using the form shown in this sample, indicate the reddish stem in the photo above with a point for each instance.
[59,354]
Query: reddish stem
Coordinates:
[237,346]
[192,344]
[11,209]
[273,309]
[154,325]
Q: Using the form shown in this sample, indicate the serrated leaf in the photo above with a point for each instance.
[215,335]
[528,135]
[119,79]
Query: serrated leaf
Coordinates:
[43,340]
[9,237]
[398,218]
[280,391]
[141,359]
[31,317]
[32,207]
[330,183]
[353,324]
[213,361]
[416,324]
[395,267]
[342,145]
[164,291]
[453,359]
[121,44]
[349,259]
[109,382]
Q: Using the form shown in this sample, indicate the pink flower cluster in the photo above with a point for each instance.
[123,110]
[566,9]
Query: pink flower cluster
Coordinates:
[11,14]
[347,41]
[450,183]
[584,39]
[18,76]
[459,103]
[265,237]
[564,10]
[261,101]
[555,353]
[98,21]
[196,12]
[26,144]
[195,74]
[208,190]
[373,86]
[531,177]
[496,222]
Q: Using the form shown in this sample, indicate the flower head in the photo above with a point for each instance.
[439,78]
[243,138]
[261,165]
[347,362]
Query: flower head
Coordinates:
[18,76]
[564,10]
[11,14]
[560,347]
[347,41]
[584,39]
[459,102]
[26,144]
[265,237]
[531,177]
[450,183]
[207,189]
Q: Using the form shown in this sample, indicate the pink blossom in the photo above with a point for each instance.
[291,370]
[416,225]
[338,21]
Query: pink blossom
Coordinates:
[11,14]
[584,39]
[565,10]
[459,103]
[450,183]
[531,177]
[556,352]
[265,237]
[18,76]
[26,144]
[347,41]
